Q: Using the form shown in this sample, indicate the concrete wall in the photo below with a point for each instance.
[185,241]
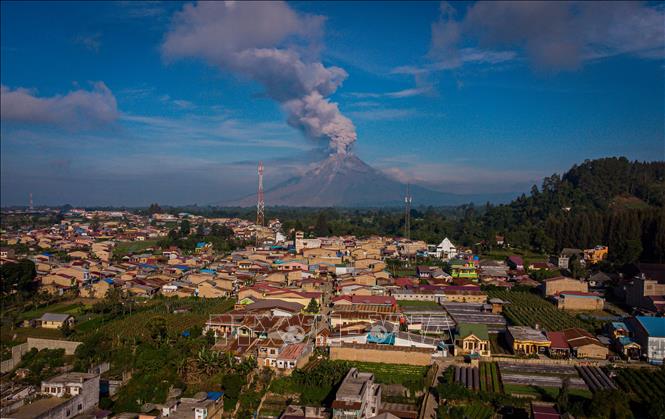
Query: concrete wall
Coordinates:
[68,345]
[17,354]
[381,353]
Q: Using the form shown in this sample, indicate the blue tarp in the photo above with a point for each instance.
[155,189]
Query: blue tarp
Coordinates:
[215,395]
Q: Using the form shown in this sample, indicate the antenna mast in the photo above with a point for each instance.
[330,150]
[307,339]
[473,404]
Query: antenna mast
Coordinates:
[31,204]
[407,214]
[260,204]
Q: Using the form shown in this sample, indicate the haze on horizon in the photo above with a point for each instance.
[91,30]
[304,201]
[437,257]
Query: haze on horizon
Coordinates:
[128,103]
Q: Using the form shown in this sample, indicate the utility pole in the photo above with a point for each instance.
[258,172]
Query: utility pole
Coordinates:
[260,204]
[407,214]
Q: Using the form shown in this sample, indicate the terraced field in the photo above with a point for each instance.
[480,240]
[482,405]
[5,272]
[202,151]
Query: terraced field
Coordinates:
[527,309]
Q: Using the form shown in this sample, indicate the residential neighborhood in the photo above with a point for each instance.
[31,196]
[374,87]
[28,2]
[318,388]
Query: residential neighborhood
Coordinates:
[282,309]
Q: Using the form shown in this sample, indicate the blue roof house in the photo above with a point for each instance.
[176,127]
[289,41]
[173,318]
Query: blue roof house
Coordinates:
[649,332]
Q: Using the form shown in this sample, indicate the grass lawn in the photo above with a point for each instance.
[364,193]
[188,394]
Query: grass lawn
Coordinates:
[124,248]
[21,334]
[527,255]
[408,303]
[63,307]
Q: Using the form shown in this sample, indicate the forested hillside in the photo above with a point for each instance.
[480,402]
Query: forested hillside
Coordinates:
[607,201]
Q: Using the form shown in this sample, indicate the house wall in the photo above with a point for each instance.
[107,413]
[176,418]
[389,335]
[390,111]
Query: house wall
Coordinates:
[567,284]
[655,350]
[367,353]
[592,351]
[581,303]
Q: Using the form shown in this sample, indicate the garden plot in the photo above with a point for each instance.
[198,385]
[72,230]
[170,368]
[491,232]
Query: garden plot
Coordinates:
[469,377]
[596,379]
[540,375]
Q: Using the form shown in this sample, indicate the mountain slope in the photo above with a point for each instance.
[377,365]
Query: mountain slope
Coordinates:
[346,181]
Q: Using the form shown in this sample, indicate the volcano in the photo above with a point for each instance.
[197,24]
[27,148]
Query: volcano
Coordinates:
[343,180]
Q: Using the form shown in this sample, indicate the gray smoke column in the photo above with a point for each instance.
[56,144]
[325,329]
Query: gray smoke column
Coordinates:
[272,44]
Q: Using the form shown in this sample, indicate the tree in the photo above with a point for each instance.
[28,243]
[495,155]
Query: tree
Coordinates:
[18,276]
[66,329]
[312,307]
[200,230]
[185,228]
[157,329]
[562,397]
[321,229]
[610,404]
[154,209]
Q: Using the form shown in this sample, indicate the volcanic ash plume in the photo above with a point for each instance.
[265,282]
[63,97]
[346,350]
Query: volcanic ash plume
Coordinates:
[250,40]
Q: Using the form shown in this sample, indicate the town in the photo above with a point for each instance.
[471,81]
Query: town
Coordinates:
[154,314]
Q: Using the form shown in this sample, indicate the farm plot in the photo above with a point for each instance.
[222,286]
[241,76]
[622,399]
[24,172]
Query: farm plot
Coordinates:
[408,375]
[477,410]
[596,379]
[469,377]
[642,385]
[543,376]
[489,377]
[527,309]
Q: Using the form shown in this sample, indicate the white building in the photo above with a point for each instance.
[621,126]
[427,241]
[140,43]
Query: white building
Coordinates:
[446,249]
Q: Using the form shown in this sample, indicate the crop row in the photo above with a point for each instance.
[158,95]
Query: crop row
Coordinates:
[643,385]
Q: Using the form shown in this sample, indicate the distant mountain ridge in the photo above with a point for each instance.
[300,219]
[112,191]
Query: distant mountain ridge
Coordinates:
[344,180]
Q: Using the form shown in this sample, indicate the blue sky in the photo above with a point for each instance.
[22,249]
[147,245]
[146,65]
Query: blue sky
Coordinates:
[136,102]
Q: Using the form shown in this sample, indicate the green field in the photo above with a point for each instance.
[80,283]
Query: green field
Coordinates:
[408,303]
[124,248]
[67,307]
[410,376]
[527,309]
[527,255]
[136,325]
[478,410]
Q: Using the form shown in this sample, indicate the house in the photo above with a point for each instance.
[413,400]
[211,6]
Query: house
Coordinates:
[565,256]
[649,332]
[585,345]
[576,300]
[544,410]
[472,339]
[304,412]
[595,255]
[554,286]
[358,396]
[647,289]
[465,294]
[527,340]
[559,348]
[66,396]
[515,262]
[55,320]
[446,249]
[6,253]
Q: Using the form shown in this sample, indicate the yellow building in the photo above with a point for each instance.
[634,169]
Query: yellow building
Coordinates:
[526,340]
[472,339]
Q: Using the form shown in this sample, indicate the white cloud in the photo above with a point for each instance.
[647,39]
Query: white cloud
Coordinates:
[76,109]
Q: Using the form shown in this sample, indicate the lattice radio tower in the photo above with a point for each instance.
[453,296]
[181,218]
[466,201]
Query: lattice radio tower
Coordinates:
[407,214]
[260,204]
